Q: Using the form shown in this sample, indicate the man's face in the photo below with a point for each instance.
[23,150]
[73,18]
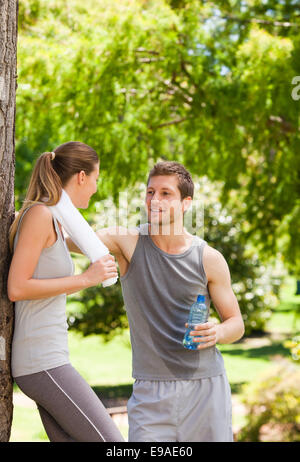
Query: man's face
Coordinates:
[163,200]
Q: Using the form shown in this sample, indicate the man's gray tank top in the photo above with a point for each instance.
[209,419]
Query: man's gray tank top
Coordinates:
[158,290]
[40,339]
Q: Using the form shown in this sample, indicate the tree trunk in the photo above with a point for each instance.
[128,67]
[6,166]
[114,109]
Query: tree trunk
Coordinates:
[8,66]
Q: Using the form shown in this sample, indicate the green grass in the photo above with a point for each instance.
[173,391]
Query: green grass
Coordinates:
[27,426]
[107,366]
[101,363]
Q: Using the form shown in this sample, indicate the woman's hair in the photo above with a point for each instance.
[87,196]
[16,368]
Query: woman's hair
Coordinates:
[185,182]
[52,172]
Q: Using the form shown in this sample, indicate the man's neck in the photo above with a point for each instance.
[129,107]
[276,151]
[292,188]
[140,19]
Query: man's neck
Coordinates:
[170,241]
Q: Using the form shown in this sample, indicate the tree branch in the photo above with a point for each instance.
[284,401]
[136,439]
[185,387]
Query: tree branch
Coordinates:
[285,125]
[150,60]
[172,122]
[143,50]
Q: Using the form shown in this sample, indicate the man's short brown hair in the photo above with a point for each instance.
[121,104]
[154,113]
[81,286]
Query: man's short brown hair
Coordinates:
[185,182]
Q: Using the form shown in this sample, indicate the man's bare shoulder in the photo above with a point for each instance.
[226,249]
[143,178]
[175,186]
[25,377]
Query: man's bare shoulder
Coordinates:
[119,240]
[212,254]
[121,231]
[213,261]
[127,240]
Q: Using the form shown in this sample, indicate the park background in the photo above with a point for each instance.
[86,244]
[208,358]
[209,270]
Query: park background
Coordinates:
[212,85]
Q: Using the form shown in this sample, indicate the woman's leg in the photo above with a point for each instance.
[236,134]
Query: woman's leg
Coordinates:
[71,403]
[53,430]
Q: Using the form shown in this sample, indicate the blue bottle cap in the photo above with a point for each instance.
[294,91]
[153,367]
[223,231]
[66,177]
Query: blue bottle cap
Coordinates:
[201,299]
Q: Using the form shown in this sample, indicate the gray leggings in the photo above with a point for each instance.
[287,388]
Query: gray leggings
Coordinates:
[70,410]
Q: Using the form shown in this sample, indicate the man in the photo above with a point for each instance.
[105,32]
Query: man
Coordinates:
[179,394]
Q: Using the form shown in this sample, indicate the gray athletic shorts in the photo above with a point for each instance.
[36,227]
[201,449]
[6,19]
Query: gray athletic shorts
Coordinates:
[181,410]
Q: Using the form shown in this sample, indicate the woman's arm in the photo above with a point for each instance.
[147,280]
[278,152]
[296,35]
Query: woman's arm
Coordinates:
[36,233]
[231,327]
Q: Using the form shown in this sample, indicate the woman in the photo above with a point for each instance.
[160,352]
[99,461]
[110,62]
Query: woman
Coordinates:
[40,277]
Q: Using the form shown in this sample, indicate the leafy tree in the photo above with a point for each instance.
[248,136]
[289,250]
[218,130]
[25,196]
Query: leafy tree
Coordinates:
[205,83]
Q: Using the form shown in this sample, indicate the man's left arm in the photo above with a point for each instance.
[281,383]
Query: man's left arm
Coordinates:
[231,328]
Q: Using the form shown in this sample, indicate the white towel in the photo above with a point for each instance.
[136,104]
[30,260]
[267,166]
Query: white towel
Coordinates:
[80,231]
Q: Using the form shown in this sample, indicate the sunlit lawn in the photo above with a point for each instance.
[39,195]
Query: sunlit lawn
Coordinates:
[107,365]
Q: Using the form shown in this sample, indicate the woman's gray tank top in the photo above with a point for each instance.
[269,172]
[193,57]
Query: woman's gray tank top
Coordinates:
[158,290]
[40,339]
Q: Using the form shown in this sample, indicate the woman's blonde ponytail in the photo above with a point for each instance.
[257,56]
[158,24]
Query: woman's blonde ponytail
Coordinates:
[44,187]
[50,174]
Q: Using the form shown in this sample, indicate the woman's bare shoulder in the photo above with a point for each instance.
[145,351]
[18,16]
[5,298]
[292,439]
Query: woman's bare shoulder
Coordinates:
[38,215]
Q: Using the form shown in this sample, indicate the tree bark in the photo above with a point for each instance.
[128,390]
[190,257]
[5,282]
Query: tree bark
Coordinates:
[8,67]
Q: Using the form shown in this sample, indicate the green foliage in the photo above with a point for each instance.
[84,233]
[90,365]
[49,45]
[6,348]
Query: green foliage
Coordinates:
[273,406]
[103,312]
[205,83]
[294,347]
[29,12]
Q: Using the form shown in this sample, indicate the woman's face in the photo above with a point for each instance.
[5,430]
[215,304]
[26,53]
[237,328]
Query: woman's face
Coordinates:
[88,187]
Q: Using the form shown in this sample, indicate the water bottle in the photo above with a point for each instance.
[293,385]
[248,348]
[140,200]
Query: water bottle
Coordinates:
[198,315]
